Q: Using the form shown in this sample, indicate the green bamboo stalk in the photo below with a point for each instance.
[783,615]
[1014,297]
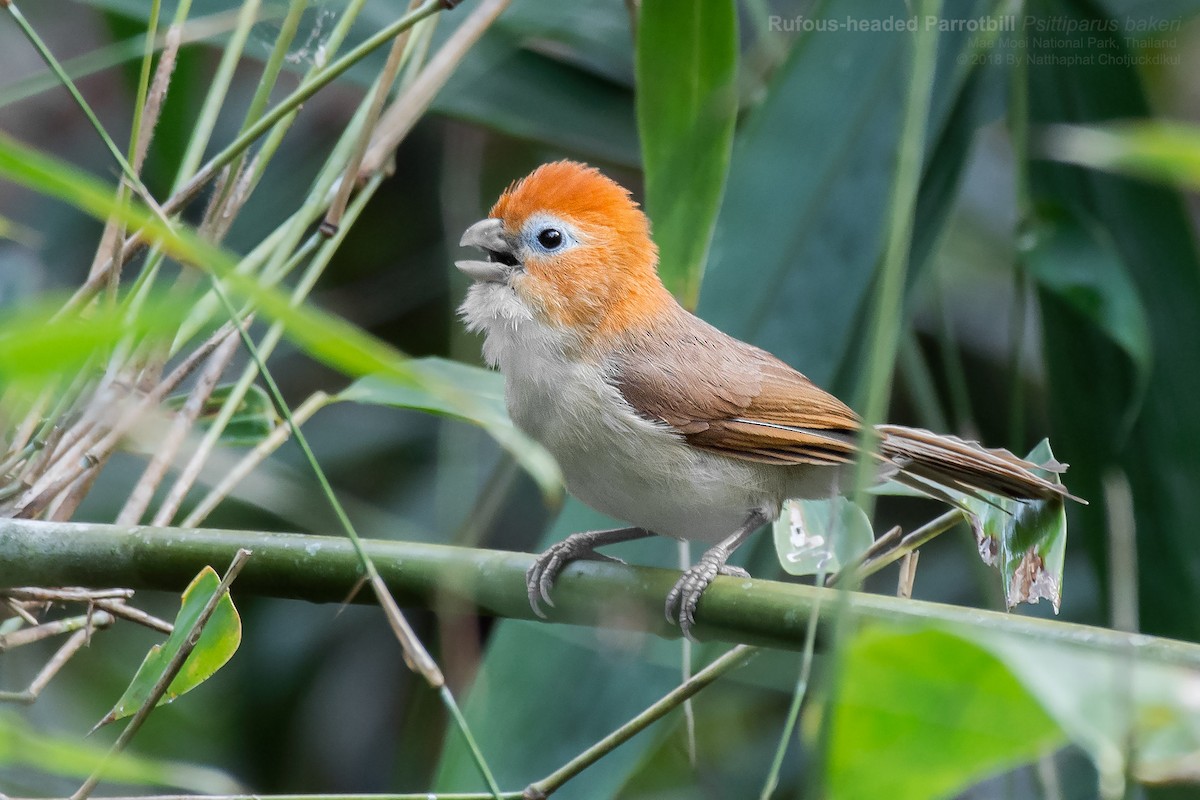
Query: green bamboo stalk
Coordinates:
[258,103]
[198,30]
[886,326]
[324,569]
[286,108]
[274,65]
[266,345]
[405,796]
[656,711]
[1018,135]
[215,99]
[416,656]
[919,380]
[318,81]
[887,311]
[44,51]
[799,692]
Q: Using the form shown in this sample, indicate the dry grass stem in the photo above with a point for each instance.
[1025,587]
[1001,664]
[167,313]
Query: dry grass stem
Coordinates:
[182,422]
[245,466]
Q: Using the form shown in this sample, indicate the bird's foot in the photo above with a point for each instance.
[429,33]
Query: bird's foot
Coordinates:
[540,576]
[685,595]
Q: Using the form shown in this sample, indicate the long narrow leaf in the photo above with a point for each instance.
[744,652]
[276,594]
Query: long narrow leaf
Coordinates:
[686,109]
[324,336]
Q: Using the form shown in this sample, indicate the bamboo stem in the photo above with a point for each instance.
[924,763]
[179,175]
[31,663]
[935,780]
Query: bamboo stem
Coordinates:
[324,568]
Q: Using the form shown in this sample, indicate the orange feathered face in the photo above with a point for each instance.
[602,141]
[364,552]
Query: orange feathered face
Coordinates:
[573,246]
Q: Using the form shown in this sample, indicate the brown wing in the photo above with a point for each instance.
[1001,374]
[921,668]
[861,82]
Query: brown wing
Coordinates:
[729,397]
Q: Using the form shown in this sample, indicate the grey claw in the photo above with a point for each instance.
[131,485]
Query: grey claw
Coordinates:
[731,571]
[533,577]
[544,571]
[539,579]
[672,599]
[547,581]
[685,595]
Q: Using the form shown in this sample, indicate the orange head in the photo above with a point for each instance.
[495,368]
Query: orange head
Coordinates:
[574,247]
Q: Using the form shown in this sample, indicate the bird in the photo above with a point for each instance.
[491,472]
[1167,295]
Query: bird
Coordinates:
[656,417]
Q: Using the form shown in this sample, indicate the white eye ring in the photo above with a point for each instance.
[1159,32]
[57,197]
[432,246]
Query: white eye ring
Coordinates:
[546,234]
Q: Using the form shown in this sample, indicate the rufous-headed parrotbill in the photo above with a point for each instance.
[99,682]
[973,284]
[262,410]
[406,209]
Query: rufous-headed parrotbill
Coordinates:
[656,417]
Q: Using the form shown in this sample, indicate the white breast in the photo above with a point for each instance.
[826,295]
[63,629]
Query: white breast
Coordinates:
[617,462]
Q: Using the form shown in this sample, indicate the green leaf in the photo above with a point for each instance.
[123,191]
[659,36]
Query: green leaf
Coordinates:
[217,643]
[1025,539]
[820,536]
[562,80]
[21,746]
[800,231]
[1151,231]
[686,109]
[328,338]
[252,421]
[793,254]
[922,715]
[1076,260]
[323,336]
[35,346]
[1111,705]
[464,392]
[1163,152]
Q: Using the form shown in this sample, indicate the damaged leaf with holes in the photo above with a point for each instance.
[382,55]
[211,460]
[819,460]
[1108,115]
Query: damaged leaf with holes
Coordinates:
[217,643]
[1025,539]
[821,536]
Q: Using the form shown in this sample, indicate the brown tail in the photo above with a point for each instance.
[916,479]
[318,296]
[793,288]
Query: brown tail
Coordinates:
[926,458]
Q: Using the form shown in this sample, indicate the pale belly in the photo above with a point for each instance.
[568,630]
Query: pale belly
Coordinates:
[642,473]
[632,469]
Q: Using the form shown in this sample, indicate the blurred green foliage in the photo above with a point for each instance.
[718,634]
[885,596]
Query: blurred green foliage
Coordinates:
[1044,299]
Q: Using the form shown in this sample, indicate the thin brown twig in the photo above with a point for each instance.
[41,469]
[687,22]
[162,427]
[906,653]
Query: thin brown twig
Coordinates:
[24,636]
[74,643]
[415,655]
[66,488]
[66,594]
[403,113]
[61,438]
[878,546]
[19,609]
[66,503]
[221,214]
[143,492]
[209,170]
[111,600]
[908,544]
[244,467]
[121,609]
[732,659]
[30,423]
[908,574]
[383,87]
[158,92]
[90,450]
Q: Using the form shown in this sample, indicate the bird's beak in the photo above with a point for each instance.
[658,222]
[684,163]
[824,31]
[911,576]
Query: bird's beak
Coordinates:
[488,235]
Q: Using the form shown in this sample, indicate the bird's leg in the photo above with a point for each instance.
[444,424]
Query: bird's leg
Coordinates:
[683,598]
[542,573]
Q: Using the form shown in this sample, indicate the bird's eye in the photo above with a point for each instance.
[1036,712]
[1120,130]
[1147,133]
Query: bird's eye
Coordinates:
[550,238]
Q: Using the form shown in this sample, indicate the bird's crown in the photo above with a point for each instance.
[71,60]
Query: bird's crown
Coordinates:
[576,192]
